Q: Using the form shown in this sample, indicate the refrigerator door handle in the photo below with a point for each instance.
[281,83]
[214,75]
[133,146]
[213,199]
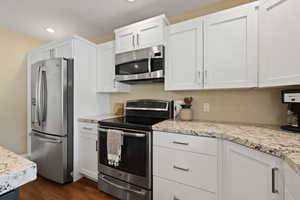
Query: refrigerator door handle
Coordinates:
[44,138]
[45,93]
[38,96]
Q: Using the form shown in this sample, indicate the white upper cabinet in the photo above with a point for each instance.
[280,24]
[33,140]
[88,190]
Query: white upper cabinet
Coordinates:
[151,34]
[147,33]
[279,43]
[106,70]
[230,48]
[63,49]
[126,40]
[249,174]
[185,56]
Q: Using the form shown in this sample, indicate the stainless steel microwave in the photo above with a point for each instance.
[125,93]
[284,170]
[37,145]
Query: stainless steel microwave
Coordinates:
[145,65]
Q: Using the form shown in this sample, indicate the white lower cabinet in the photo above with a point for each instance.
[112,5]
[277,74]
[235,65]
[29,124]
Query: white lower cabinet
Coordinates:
[169,190]
[183,169]
[88,152]
[195,168]
[249,174]
[292,184]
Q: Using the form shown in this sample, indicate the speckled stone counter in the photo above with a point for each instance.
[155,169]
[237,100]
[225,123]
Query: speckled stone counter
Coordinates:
[96,119]
[270,140]
[15,171]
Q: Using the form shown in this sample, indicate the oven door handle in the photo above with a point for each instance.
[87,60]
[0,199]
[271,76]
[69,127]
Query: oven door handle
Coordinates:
[140,192]
[139,135]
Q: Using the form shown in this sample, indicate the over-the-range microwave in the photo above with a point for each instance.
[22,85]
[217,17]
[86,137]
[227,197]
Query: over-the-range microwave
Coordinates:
[140,66]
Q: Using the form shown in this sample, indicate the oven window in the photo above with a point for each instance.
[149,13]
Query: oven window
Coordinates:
[136,67]
[133,157]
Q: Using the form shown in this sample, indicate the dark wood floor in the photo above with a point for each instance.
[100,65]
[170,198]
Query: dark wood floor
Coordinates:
[42,189]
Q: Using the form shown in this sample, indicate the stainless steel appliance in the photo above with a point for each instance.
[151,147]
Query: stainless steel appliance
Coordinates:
[52,118]
[146,65]
[132,178]
[292,98]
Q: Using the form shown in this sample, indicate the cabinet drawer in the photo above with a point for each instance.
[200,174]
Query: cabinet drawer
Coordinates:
[167,190]
[88,128]
[186,143]
[197,170]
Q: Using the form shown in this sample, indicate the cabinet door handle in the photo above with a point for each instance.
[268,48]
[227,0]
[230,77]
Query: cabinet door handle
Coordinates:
[199,78]
[138,39]
[181,143]
[181,168]
[206,76]
[274,190]
[133,41]
[175,198]
[97,145]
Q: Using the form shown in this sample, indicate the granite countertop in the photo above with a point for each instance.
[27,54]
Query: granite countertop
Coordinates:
[268,139]
[95,119]
[15,171]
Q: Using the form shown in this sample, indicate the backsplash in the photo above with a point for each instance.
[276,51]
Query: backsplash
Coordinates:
[259,106]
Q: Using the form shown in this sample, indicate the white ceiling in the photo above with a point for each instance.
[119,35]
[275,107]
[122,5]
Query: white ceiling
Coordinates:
[88,18]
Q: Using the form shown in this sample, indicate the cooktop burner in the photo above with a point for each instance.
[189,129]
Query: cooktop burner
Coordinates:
[141,123]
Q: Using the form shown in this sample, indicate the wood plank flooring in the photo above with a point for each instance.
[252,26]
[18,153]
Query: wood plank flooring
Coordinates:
[42,189]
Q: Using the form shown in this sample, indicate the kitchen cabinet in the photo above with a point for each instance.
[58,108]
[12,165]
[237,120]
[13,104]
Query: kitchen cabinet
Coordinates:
[184,69]
[106,82]
[279,43]
[230,48]
[185,167]
[249,174]
[88,150]
[292,183]
[147,33]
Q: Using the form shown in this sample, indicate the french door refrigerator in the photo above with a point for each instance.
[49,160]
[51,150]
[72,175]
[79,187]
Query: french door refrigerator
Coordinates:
[52,118]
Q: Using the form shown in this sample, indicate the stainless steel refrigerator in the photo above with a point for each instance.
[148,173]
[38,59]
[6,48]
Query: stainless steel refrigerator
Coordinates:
[52,118]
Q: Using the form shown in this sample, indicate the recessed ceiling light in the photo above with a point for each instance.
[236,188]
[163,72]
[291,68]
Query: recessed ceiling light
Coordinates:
[50,30]
[131,1]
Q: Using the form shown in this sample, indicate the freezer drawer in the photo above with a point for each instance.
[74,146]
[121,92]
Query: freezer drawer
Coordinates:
[51,155]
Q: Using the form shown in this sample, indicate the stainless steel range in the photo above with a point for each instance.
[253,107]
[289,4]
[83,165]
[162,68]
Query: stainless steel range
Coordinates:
[132,177]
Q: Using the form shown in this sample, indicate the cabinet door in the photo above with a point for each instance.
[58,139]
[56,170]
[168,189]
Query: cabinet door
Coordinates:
[292,183]
[88,164]
[151,34]
[230,48]
[106,70]
[126,40]
[279,43]
[64,50]
[247,174]
[185,56]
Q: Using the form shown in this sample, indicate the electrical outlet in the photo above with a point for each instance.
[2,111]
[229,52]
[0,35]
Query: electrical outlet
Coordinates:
[206,107]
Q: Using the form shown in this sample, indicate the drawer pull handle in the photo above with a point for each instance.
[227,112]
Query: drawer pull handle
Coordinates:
[274,190]
[181,143]
[180,168]
[88,129]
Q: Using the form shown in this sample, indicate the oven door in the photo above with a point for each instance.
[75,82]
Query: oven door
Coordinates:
[135,166]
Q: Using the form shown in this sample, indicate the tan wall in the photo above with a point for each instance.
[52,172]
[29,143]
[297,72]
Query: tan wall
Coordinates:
[259,106]
[13,49]
[249,105]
